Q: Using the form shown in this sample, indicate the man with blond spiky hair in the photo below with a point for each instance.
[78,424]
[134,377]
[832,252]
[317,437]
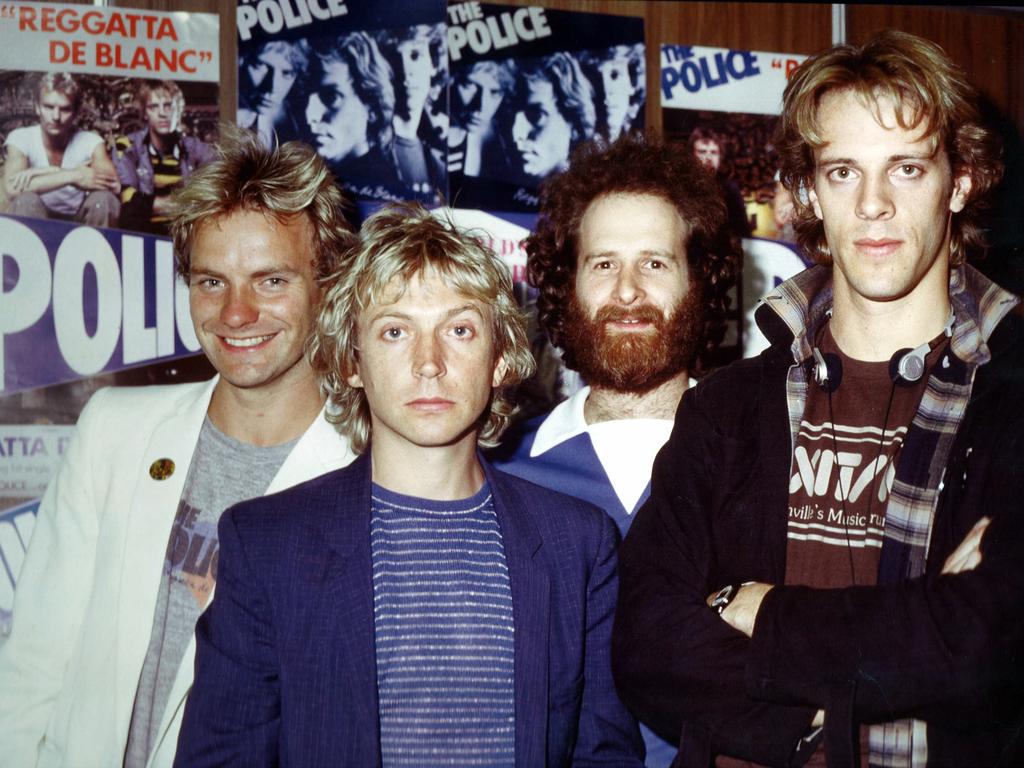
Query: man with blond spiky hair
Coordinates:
[830,569]
[417,607]
[125,551]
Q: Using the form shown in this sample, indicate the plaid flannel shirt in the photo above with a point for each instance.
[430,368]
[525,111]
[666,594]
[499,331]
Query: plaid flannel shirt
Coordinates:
[978,305]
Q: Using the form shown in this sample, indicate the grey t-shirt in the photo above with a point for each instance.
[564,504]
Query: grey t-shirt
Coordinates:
[224,471]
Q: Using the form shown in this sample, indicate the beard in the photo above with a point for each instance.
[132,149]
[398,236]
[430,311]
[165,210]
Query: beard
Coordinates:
[634,362]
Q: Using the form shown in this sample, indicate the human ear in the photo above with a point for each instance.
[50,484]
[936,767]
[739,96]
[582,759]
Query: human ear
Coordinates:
[812,197]
[961,192]
[500,372]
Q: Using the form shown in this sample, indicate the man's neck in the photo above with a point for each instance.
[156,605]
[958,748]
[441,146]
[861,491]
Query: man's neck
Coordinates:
[56,144]
[659,403]
[873,331]
[163,142]
[442,473]
[266,415]
[407,127]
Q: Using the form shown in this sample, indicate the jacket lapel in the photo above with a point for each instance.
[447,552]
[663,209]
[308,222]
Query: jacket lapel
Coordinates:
[530,616]
[320,449]
[151,513]
[348,608]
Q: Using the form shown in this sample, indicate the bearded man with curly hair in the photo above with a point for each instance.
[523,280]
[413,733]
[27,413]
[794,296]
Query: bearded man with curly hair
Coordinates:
[633,260]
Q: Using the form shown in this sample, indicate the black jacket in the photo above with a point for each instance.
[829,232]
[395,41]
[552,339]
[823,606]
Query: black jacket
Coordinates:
[948,650]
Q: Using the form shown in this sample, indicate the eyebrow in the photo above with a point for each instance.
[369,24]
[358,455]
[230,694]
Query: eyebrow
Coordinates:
[610,254]
[916,156]
[263,272]
[393,314]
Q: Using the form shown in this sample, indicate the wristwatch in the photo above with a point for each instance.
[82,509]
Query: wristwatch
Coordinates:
[723,597]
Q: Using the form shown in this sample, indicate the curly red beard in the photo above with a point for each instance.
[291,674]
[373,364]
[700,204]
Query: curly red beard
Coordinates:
[634,362]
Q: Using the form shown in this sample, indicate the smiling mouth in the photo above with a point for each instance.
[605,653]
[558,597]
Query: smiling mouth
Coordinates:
[252,341]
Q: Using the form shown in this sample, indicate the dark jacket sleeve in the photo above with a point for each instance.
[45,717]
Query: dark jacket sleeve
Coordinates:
[939,647]
[679,667]
[608,735]
[232,717]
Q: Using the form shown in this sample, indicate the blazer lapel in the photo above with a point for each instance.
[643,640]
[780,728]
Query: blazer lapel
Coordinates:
[530,616]
[321,449]
[348,607]
[151,513]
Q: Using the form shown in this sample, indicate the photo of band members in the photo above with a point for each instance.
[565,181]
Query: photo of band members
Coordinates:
[372,103]
[521,120]
[102,151]
[397,116]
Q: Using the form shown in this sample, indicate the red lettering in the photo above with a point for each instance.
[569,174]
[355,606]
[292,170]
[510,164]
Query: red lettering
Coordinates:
[166,29]
[27,18]
[92,22]
[103,58]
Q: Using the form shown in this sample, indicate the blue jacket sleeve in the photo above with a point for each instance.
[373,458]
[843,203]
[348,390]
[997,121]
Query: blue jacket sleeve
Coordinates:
[608,735]
[232,717]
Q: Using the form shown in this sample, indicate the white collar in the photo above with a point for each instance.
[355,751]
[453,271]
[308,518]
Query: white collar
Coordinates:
[565,421]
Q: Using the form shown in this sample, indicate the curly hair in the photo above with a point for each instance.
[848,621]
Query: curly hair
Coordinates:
[927,88]
[371,78]
[642,165]
[396,244]
[283,181]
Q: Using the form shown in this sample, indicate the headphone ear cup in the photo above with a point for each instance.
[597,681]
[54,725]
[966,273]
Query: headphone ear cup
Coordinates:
[907,365]
[828,370]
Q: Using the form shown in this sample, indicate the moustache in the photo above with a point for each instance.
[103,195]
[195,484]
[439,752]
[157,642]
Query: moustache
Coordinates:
[646,313]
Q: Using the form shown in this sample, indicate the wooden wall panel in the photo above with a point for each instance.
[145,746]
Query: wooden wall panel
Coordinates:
[989,45]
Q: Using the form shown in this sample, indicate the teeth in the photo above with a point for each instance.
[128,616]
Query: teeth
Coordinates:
[250,342]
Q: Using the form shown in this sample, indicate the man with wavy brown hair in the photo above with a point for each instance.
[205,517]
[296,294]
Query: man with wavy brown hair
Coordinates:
[632,260]
[830,565]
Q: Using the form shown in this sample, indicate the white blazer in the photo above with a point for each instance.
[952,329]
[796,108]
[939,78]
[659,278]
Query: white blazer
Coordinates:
[83,607]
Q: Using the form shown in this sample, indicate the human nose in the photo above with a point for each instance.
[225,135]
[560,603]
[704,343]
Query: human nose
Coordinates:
[874,200]
[239,308]
[428,357]
[628,287]
[315,109]
[520,128]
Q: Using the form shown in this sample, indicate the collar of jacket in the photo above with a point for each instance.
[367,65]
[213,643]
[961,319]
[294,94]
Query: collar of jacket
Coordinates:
[792,314]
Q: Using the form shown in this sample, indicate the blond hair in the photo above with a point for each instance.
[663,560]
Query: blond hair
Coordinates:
[395,245]
[283,181]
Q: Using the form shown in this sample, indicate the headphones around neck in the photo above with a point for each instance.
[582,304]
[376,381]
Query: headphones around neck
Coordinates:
[906,367]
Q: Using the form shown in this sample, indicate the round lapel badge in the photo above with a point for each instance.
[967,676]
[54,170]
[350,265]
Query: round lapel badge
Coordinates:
[161,469]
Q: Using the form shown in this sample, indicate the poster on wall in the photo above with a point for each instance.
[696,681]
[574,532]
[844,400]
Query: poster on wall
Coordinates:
[364,82]
[527,86]
[103,111]
[724,105]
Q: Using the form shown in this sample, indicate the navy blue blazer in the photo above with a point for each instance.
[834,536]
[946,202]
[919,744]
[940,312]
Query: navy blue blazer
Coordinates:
[285,658]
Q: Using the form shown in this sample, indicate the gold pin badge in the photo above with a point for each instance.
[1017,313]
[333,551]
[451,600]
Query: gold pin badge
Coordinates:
[161,469]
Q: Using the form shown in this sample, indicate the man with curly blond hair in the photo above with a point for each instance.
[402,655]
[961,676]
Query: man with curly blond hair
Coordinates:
[418,606]
[830,569]
[632,260]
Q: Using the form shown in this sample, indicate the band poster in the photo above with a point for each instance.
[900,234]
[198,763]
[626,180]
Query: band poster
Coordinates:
[527,86]
[128,101]
[724,104]
[363,82]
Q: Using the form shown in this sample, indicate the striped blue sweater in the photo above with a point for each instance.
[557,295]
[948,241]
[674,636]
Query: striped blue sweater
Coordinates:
[444,632]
